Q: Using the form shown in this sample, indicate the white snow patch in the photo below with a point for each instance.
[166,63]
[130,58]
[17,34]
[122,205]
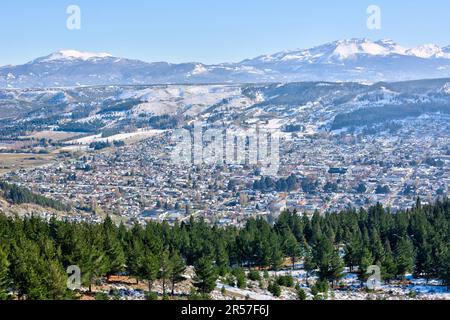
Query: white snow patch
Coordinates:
[77,55]
[137,135]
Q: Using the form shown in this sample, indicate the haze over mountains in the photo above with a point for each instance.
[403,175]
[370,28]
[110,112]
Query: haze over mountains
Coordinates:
[359,60]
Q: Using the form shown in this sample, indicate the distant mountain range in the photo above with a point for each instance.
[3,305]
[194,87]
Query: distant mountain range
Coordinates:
[357,60]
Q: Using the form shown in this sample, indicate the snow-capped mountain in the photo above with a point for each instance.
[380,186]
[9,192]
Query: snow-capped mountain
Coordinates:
[336,51]
[430,51]
[360,60]
[65,55]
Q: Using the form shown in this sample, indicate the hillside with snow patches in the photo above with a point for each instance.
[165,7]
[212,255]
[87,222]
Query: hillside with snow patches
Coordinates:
[359,60]
[100,111]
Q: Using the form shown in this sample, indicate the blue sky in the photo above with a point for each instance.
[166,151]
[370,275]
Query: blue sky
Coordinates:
[209,31]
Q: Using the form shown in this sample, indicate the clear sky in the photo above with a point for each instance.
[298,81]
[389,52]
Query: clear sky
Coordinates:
[209,31]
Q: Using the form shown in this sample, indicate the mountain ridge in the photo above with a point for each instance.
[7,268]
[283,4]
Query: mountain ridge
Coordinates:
[358,60]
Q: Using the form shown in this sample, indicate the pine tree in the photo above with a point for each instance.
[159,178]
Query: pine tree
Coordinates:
[322,252]
[55,280]
[25,260]
[115,257]
[424,265]
[150,269]
[5,280]
[274,288]
[291,248]
[205,276]
[404,256]
[222,260]
[301,294]
[388,265]
[309,264]
[165,269]
[92,261]
[239,274]
[445,275]
[276,255]
[376,246]
[135,258]
[366,261]
[352,253]
[336,267]
[328,260]
[441,256]
[177,270]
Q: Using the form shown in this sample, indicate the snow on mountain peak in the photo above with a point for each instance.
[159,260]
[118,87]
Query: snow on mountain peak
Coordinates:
[199,69]
[337,50]
[428,51]
[349,48]
[392,46]
[75,55]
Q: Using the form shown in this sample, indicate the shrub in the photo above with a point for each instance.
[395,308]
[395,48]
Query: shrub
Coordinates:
[275,289]
[223,291]
[230,280]
[320,287]
[101,296]
[301,294]
[152,296]
[239,273]
[254,275]
[286,281]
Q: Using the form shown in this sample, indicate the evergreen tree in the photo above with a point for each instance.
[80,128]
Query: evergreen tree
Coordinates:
[309,264]
[150,269]
[25,263]
[376,246]
[177,269]
[388,266]
[328,260]
[404,256]
[55,281]
[5,280]
[301,294]
[165,269]
[367,260]
[445,275]
[239,274]
[135,258]
[336,267]
[92,259]
[276,255]
[274,288]
[291,248]
[222,260]
[114,254]
[205,276]
[424,265]
[352,253]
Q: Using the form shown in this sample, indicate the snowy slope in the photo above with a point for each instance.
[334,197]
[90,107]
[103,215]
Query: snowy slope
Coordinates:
[360,60]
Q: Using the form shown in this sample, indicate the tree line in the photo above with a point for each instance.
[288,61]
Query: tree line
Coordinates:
[20,195]
[34,253]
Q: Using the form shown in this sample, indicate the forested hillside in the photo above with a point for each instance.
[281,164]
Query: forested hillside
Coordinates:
[19,195]
[34,253]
